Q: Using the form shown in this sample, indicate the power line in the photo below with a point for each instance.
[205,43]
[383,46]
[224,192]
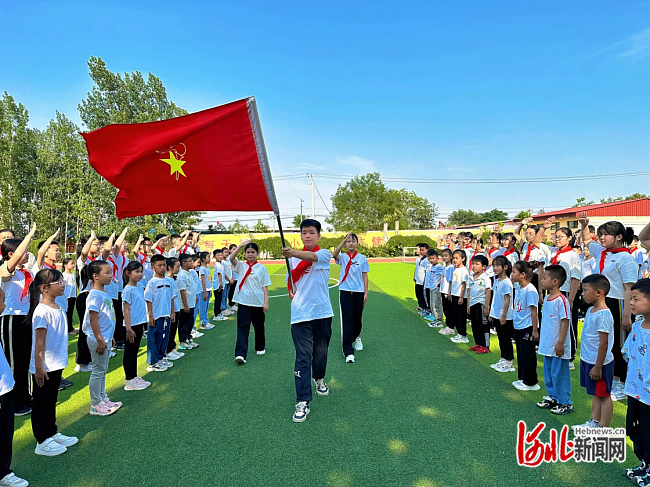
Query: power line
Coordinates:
[321,198]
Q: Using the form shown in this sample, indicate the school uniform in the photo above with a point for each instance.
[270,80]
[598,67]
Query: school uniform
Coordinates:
[637,255]
[556,369]
[505,333]
[459,311]
[619,268]
[432,283]
[447,309]
[311,320]
[218,293]
[351,294]
[204,274]
[160,292]
[227,272]
[55,360]
[469,253]
[493,253]
[185,282]
[512,255]
[6,415]
[231,291]
[115,290]
[147,272]
[70,295]
[134,297]
[163,252]
[16,333]
[419,274]
[637,425]
[187,249]
[476,288]
[173,325]
[249,295]
[199,293]
[522,322]
[597,322]
[101,303]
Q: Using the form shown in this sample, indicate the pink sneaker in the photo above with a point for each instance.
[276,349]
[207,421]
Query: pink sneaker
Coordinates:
[100,409]
[447,331]
[114,406]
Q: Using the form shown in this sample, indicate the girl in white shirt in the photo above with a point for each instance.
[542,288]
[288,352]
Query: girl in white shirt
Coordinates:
[494,250]
[99,327]
[204,290]
[456,295]
[614,261]
[501,312]
[135,317]
[48,359]
[252,296]
[70,291]
[16,332]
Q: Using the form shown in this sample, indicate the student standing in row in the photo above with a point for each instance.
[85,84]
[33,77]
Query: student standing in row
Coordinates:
[501,312]
[188,293]
[524,318]
[418,276]
[49,359]
[159,296]
[252,297]
[311,314]
[353,293]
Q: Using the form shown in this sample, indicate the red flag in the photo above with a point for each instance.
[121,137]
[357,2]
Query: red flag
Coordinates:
[175,164]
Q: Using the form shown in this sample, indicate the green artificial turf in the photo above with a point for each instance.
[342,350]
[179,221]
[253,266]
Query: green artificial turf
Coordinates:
[414,410]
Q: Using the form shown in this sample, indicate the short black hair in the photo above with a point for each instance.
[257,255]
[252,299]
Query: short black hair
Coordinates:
[183,257]
[175,235]
[232,246]
[196,257]
[8,230]
[643,286]
[310,222]
[482,259]
[145,239]
[217,251]
[597,281]
[252,245]
[432,252]
[157,258]
[160,235]
[171,262]
[53,242]
[445,250]
[425,245]
[557,272]
[102,239]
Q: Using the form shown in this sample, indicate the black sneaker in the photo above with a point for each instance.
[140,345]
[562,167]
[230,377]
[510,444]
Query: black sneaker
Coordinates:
[562,409]
[65,383]
[637,471]
[22,411]
[119,346]
[547,403]
[643,481]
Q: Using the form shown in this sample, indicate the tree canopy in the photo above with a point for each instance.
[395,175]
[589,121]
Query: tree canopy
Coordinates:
[469,217]
[365,203]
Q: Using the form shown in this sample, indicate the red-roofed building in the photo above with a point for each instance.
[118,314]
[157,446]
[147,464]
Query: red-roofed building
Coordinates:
[631,213]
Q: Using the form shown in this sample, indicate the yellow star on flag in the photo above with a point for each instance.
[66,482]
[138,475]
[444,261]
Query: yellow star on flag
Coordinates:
[175,165]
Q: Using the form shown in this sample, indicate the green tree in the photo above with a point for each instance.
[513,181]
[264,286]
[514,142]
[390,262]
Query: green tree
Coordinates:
[260,227]
[582,201]
[464,217]
[493,216]
[297,220]
[238,227]
[524,214]
[634,196]
[129,98]
[365,203]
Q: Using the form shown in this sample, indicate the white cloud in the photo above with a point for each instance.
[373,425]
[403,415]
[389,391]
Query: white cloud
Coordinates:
[634,47]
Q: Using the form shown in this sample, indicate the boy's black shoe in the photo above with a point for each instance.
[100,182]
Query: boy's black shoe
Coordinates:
[562,409]
[643,481]
[547,403]
[22,411]
[637,471]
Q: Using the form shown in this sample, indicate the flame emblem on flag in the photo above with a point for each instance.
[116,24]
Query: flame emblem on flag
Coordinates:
[175,160]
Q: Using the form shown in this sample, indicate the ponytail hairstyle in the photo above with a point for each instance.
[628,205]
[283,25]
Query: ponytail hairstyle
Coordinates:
[94,268]
[567,231]
[66,261]
[9,245]
[171,262]
[462,254]
[525,268]
[613,228]
[503,262]
[203,256]
[498,236]
[130,267]
[43,277]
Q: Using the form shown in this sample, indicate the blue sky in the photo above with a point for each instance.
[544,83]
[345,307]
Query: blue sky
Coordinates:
[413,89]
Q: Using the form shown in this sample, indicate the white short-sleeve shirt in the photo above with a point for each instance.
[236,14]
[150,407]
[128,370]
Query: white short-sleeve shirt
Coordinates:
[218,269]
[186,283]
[420,269]
[251,292]
[54,321]
[571,263]
[620,269]
[595,323]
[458,277]
[476,287]
[500,290]
[159,292]
[70,285]
[134,295]
[312,299]
[524,298]
[13,285]
[354,281]
[553,312]
[102,303]
[635,351]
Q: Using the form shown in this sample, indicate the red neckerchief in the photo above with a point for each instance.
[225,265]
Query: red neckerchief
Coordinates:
[633,249]
[528,249]
[110,259]
[28,280]
[593,238]
[161,251]
[51,266]
[144,258]
[494,250]
[185,247]
[603,255]
[347,266]
[566,249]
[248,271]
[301,268]
[467,247]
[508,252]
[91,259]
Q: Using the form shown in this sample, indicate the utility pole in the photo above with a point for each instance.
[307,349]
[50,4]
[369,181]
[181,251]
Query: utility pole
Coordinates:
[313,186]
[301,202]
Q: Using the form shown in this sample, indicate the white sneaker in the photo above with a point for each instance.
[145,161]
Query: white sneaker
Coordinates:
[518,383]
[159,367]
[178,353]
[197,334]
[349,359]
[172,356]
[505,367]
[221,318]
[240,360]
[459,339]
[592,423]
[524,387]
[135,385]
[498,364]
[140,380]
[50,448]
[227,313]
[302,410]
[113,354]
[65,440]
[358,346]
[167,363]
[321,387]
[12,480]
[261,352]
[572,366]
[82,368]
[208,326]
[192,343]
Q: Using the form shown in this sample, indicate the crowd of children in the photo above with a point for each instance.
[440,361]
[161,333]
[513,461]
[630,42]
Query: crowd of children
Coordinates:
[534,294]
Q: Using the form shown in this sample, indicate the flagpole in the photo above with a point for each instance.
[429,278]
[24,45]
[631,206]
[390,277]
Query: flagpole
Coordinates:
[286,259]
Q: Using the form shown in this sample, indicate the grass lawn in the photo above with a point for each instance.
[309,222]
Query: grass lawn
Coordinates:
[414,410]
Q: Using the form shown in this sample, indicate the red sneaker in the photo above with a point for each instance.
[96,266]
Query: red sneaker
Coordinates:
[474,348]
[482,350]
